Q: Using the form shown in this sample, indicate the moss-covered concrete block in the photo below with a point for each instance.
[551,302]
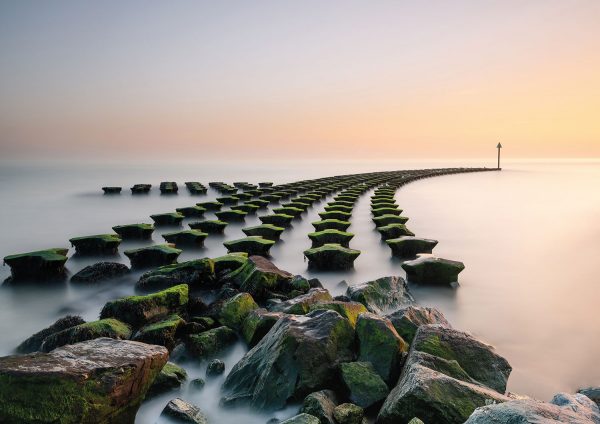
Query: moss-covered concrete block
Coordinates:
[331,257]
[334,224]
[267,231]
[156,255]
[111,190]
[38,265]
[191,211]
[209,226]
[408,246]
[392,231]
[228,200]
[100,244]
[387,219]
[320,238]
[186,237]
[231,215]
[288,210]
[246,207]
[168,187]
[253,245]
[342,216]
[432,270]
[363,386]
[169,218]
[280,220]
[134,231]
[212,205]
[141,188]
[386,211]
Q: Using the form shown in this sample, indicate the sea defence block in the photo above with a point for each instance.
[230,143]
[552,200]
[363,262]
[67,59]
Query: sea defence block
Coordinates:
[111,190]
[96,245]
[212,205]
[268,231]
[408,246]
[228,200]
[209,226]
[168,187]
[134,231]
[335,224]
[141,188]
[195,187]
[342,216]
[38,265]
[246,207]
[331,257]
[186,237]
[253,245]
[278,219]
[320,238]
[383,220]
[157,255]
[295,212]
[432,270]
[392,231]
[191,211]
[386,211]
[231,215]
[169,218]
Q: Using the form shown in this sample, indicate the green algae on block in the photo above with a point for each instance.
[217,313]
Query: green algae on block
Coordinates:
[338,207]
[228,200]
[262,204]
[342,216]
[268,231]
[212,205]
[277,219]
[246,207]
[230,262]
[209,226]
[168,187]
[335,224]
[169,218]
[253,245]
[244,196]
[111,190]
[287,210]
[134,231]
[186,237]
[408,246]
[331,256]
[96,244]
[392,231]
[432,270]
[231,215]
[141,188]
[156,255]
[320,238]
[191,211]
[271,198]
[386,211]
[38,265]
[383,220]
[265,184]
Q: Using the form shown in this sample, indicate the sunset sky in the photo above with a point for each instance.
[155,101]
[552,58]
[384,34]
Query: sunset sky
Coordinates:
[350,79]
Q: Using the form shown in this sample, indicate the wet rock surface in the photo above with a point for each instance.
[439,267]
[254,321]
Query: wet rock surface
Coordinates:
[101,271]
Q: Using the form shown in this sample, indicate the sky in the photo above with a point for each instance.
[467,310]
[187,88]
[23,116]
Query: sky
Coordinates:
[299,79]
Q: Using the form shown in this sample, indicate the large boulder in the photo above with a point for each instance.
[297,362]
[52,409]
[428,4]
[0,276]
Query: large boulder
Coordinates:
[108,327]
[563,408]
[349,310]
[407,320]
[301,305]
[139,310]
[321,405]
[382,294]
[181,411]
[199,273]
[34,343]
[380,344]
[258,276]
[101,380]
[100,271]
[163,332]
[298,356]
[364,387]
[432,270]
[235,310]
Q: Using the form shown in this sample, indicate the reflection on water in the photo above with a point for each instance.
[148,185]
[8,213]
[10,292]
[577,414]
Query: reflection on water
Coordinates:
[527,235]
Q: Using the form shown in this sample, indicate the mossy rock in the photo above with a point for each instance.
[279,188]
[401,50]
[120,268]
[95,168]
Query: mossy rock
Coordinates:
[161,333]
[267,231]
[364,387]
[432,270]
[171,377]
[386,211]
[331,256]
[211,342]
[228,200]
[392,231]
[301,305]
[408,246]
[231,215]
[34,342]
[134,231]
[39,265]
[302,418]
[342,216]
[320,238]
[246,207]
[212,205]
[100,244]
[186,237]
[348,413]
[258,276]
[382,294]
[230,262]
[295,212]
[197,274]
[140,310]
[334,224]
[191,211]
[156,255]
[235,309]
[257,324]
[278,219]
[321,404]
[169,218]
[110,327]
[407,320]
[387,219]
[209,226]
[141,188]
[253,245]
[349,310]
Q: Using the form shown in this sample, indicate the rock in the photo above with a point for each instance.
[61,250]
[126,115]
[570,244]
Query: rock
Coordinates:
[267,231]
[197,383]
[380,344]
[101,244]
[139,310]
[101,380]
[254,245]
[231,215]
[191,211]
[407,320]
[383,220]
[416,421]
[563,408]
[302,419]
[34,343]
[110,327]
[209,226]
[321,405]
[100,271]
[301,305]
[230,262]
[320,238]
[134,231]
[334,224]
[431,270]
[197,274]
[156,255]
[186,238]
[592,392]
[235,310]
[161,333]
[183,412]
[210,342]
[298,356]
[347,413]
[392,231]
[215,367]
[331,257]
[258,276]
[169,218]
[349,310]
[111,190]
[38,266]
[382,294]
[407,246]
[278,219]
[170,377]
[257,324]
[364,387]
